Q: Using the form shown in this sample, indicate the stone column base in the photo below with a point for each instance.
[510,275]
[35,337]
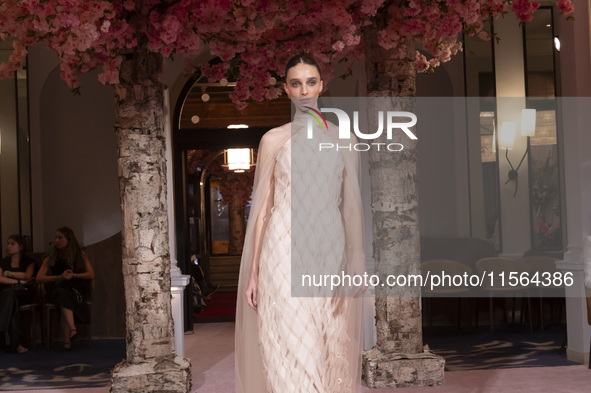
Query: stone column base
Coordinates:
[399,370]
[169,374]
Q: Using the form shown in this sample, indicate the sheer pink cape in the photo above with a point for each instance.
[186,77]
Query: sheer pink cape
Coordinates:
[250,376]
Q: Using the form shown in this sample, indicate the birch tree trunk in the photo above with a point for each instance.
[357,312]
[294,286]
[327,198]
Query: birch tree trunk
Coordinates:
[151,364]
[394,197]
[237,226]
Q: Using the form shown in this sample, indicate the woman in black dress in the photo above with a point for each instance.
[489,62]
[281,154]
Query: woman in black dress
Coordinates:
[67,265]
[16,271]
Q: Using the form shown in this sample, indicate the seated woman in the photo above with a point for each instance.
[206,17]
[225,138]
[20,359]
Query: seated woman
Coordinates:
[68,265]
[15,269]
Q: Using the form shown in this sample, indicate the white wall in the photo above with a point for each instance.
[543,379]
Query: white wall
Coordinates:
[41,63]
[79,159]
[79,156]
[73,154]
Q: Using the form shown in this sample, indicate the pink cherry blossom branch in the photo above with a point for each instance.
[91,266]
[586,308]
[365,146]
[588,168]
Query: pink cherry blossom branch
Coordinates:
[253,38]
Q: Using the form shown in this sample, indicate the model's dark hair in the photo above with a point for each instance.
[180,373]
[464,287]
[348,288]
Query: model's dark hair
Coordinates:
[21,242]
[301,59]
[72,253]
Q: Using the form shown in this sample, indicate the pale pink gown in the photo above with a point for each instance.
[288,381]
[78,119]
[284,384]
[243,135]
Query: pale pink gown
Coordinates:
[303,340]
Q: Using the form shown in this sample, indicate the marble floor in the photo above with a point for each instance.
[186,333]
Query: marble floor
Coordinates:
[211,350]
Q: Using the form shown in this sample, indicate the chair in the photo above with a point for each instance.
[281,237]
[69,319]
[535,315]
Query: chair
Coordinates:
[503,265]
[459,249]
[48,307]
[33,309]
[544,264]
[451,268]
[36,305]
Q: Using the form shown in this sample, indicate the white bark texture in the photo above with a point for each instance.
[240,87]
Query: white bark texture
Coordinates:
[394,190]
[399,358]
[395,370]
[151,363]
[237,227]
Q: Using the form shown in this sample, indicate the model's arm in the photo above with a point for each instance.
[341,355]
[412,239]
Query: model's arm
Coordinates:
[261,221]
[259,230]
[265,154]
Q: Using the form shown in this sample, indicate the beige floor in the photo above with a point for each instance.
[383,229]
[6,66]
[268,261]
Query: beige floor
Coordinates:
[211,350]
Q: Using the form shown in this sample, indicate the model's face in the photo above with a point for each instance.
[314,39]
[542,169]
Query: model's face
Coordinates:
[13,247]
[303,85]
[60,240]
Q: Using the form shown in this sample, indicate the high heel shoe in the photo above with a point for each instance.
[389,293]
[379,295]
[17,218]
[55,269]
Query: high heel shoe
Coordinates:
[75,336]
[68,348]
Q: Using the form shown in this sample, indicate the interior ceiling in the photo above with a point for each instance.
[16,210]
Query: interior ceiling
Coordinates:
[219,111]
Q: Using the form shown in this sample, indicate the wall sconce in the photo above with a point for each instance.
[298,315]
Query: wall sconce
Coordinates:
[507,136]
[507,139]
[238,160]
[528,122]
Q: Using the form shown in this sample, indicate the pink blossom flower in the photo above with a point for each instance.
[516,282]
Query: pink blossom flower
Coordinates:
[338,46]
[111,71]
[215,72]
[261,35]
[455,48]
[422,63]
[370,7]
[171,29]
[105,26]
[566,6]
[129,5]
[483,35]
[524,9]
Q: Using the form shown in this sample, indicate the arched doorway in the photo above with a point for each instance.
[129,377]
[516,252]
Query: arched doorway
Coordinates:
[200,131]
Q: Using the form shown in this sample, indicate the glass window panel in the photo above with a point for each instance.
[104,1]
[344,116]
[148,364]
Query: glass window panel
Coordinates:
[539,54]
[543,169]
[482,140]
